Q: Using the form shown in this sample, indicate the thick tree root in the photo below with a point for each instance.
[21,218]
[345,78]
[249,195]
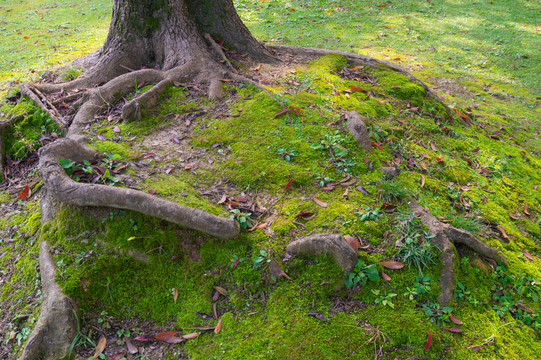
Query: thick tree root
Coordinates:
[445,236]
[332,244]
[57,323]
[64,189]
[365,61]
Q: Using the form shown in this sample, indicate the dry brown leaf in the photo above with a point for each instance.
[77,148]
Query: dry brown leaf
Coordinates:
[175,295]
[223,199]
[455,320]
[218,327]
[319,202]
[454,330]
[132,349]
[257,68]
[169,337]
[393,265]
[190,336]
[221,290]
[428,340]
[423,181]
[526,210]
[354,243]
[385,277]
[25,193]
[527,255]
[502,230]
[433,146]
[216,296]
[102,343]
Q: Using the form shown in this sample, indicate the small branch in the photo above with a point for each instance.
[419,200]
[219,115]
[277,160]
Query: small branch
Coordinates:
[25,90]
[220,52]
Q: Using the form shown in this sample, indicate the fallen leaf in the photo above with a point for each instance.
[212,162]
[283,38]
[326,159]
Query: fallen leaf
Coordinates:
[393,265]
[175,295]
[348,183]
[25,193]
[423,180]
[218,327]
[354,243]
[318,315]
[223,199]
[363,190]
[304,215]
[169,337]
[319,202]
[428,341]
[385,276]
[132,349]
[454,330]
[118,356]
[455,320]
[216,296]
[257,68]
[289,183]
[101,137]
[190,336]
[377,146]
[476,348]
[527,254]
[433,146]
[102,343]
[221,290]
[504,234]
[203,316]
[526,210]
[152,192]
[235,264]
[116,129]
[145,338]
[512,216]
[396,59]
[214,311]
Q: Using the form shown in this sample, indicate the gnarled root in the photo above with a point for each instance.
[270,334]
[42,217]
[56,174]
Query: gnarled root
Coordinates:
[64,189]
[57,323]
[445,236]
[332,244]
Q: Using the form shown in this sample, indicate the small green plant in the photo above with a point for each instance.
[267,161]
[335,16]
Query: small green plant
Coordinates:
[463,293]
[417,249]
[393,190]
[122,333]
[70,73]
[437,313]
[420,287]
[384,299]
[287,154]
[243,219]
[23,335]
[339,156]
[98,172]
[361,274]
[261,260]
[370,214]
[80,339]
[323,180]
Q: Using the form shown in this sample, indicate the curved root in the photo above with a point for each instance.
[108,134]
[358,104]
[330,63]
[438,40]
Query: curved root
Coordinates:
[64,189]
[57,323]
[445,236]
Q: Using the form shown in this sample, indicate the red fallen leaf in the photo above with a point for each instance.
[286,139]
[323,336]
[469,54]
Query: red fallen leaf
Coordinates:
[357,88]
[26,37]
[455,320]
[235,264]
[393,265]
[385,276]
[175,140]
[484,200]
[423,180]
[116,129]
[428,341]
[289,183]
[319,202]
[535,187]
[466,160]
[395,86]
[152,192]
[232,203]
[454,330]
[377,146]
[102,343]
[218,327]
[396,59]
[440,159]
[168,170]
[145,338]
[148,155]
[101,137]
[25,193]
[169,337]
[502,230]
[526,210]
[527,255]
[354,243]
[118,356]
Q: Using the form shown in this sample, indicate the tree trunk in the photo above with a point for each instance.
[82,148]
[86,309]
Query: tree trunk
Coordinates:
[164,34]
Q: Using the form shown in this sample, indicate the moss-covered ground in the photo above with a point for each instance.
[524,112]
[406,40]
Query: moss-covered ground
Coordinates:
[480,171]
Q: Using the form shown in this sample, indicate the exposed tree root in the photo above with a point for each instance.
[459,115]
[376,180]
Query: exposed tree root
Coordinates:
[57,323]
[26,89]
[332,244]
[445,236]
[64,189]
[362,60]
